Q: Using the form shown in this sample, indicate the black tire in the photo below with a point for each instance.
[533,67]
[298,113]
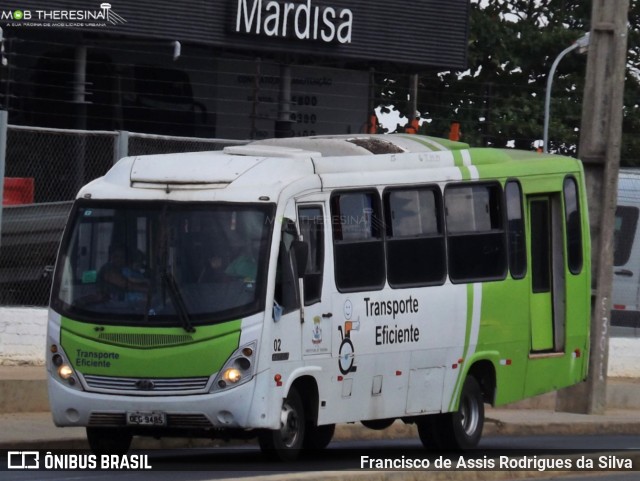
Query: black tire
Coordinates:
[429,428]
[109,440]
[318,437]
[462,429]
[378,424]
[284,444]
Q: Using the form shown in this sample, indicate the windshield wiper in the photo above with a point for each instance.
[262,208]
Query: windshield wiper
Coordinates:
[178,301]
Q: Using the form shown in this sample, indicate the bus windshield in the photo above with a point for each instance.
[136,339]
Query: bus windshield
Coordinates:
[159,263]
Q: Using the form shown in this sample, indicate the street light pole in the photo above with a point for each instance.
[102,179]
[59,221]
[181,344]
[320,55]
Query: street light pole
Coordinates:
[582,43]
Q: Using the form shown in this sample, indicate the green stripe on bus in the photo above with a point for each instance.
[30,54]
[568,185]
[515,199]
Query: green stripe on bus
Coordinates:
[457,158]
[467,337]
[458,161]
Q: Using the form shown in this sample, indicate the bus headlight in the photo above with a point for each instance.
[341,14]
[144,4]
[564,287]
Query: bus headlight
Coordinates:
[65,371]
[238,369]
[60,368]
[232,375]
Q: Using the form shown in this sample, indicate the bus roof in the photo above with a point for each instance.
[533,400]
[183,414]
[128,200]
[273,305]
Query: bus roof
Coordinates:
[267,166]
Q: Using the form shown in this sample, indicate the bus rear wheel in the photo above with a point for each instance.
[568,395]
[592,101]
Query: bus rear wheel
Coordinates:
[285,443]
[109,440]
[459,430]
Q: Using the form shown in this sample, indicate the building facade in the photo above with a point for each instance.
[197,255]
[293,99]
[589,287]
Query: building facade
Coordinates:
[224,68]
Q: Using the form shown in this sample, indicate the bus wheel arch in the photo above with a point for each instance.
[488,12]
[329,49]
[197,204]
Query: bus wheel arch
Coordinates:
[316,436]
[484,373]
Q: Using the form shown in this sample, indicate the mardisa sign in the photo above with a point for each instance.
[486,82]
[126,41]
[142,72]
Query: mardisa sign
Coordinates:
[304,21]
[427,32]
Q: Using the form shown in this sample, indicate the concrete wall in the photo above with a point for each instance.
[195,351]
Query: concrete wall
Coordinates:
[22,335]
[23,331]
[624,357]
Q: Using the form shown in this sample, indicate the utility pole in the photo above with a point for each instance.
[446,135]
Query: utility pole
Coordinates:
[599,150]
[284,123]
[412,125]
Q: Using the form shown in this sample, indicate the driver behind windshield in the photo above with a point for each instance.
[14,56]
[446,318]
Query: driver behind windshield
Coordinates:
[118,281]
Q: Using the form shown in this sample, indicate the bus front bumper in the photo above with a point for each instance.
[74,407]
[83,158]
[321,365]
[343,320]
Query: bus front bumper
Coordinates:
[229,409]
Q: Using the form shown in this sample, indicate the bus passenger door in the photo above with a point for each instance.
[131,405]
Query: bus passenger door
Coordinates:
[547,274]
[316,328]
[286,297]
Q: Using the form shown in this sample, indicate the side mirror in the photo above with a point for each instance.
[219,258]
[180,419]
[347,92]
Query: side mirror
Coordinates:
[301,253]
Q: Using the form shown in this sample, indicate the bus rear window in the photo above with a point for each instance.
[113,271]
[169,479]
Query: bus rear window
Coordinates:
[573,225]
[475,232]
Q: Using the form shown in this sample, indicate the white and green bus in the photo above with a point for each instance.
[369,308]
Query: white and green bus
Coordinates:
[279,288]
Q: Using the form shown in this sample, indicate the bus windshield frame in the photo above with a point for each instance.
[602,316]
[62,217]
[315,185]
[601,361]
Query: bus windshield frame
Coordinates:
[160,263]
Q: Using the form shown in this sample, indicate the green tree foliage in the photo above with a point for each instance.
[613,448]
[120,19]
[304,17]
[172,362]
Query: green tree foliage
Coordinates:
[499,101]
[630,154]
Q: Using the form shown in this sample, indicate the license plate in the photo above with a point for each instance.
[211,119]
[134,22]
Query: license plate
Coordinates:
[147,419]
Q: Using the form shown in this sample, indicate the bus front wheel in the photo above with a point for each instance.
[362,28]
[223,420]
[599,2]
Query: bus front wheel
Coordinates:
[109,440]
[318,437]
[285,443]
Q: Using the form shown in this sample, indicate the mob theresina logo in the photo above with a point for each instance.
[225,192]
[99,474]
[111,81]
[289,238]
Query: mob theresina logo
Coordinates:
[105,14]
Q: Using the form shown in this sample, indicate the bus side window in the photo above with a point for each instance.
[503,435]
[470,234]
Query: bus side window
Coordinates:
[357,241]
[286,290]
[623,236]
[573,225]
[415,237]
[515,226]
[476,241]
[312,230]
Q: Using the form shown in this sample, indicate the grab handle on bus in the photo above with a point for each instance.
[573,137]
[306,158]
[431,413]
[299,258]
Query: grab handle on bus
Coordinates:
[327,315]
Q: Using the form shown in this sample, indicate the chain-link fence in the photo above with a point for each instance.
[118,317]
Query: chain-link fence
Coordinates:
[625,296]
[44,168]
[145,144]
